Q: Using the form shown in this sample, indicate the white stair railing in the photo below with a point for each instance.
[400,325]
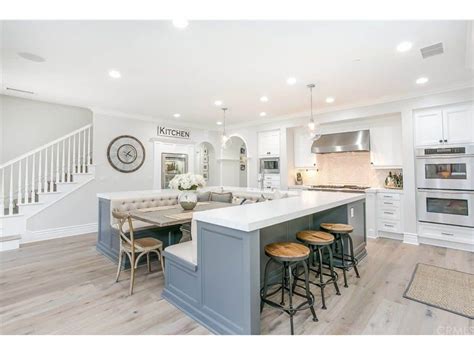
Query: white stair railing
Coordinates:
[39,170]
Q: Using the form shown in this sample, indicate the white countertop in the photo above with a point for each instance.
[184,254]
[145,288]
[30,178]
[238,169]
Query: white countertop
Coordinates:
[260,215]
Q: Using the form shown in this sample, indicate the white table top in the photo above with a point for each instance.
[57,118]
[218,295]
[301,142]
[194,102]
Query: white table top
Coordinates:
[260,215]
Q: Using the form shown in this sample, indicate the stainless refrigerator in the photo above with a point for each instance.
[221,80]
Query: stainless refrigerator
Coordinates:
[171,165]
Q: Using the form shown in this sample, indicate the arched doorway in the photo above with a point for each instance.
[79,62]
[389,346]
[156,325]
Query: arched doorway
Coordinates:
[206,163]
[234,163]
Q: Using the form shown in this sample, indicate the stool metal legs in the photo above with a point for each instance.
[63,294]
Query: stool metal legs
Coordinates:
[287,284]
[347,261]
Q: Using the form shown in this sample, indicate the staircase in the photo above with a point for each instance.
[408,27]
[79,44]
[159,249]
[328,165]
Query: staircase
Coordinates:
[40,178]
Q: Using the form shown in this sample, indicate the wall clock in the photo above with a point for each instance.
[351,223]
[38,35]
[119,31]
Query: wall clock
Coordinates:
[126,154]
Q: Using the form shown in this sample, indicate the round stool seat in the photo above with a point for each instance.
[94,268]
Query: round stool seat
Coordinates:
[337,227]
[287,251]
[315,237]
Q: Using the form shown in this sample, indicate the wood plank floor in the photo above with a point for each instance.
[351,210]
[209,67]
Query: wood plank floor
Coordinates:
[65,286]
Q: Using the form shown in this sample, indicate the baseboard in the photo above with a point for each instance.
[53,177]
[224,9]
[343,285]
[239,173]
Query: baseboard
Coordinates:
[447,244]
[53,233]
[410,238]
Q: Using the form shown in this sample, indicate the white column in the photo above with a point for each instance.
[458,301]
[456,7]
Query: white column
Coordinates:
[74,154]
[51,175]
[19,183]
[84,152]
[46,170]
[2,196]
[89,147]
[68,178]
[33,178]
[57,162]
[40,181]
[26,180]
[63,168]
[10,201]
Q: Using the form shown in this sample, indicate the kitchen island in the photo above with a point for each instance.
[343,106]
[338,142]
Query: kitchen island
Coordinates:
[220,286]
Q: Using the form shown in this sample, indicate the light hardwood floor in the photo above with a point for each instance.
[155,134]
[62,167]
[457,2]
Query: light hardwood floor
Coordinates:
[65,286]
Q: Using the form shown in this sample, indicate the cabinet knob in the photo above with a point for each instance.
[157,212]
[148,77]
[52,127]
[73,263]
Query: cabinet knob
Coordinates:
[445,141]
[441,141]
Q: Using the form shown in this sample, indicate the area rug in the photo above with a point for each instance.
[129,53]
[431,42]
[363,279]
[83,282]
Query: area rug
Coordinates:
[446,289]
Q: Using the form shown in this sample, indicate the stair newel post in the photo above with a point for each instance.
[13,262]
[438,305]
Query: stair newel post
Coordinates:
[18,201]
[2,202]
[40,181]
[33,178]
[10,200]
[63,168]
[84,152]
[51,175]
[74,153]
[68,176]
[88,147]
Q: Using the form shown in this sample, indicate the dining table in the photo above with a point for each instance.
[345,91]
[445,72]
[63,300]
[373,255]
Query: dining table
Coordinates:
[165,216]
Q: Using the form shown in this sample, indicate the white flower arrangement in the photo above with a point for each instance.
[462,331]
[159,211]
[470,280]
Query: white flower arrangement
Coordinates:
[187,182]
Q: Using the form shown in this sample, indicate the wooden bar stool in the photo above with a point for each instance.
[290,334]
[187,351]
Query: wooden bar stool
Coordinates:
[341,233]
[319,242]
[288,255]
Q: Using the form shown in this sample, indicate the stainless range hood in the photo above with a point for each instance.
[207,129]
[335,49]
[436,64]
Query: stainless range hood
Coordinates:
[358,141]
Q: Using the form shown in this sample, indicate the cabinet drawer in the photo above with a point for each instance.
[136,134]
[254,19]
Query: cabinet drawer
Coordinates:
[389,226]
[389,213]
[388,197]
[448,233]
[384,203]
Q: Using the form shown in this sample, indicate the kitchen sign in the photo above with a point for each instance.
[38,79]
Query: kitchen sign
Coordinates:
[164,131]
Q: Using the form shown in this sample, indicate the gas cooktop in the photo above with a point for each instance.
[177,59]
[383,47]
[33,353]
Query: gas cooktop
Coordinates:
[343,188]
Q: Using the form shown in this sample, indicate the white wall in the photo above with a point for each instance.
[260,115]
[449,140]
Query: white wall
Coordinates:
[36,123]
[81,206]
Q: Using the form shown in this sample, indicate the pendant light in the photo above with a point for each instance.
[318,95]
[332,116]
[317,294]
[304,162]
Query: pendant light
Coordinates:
[312,125]
[224,135]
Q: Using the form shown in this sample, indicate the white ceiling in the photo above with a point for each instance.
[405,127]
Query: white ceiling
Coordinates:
[166,70]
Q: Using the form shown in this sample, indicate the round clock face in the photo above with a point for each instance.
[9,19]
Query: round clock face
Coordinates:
[126,154]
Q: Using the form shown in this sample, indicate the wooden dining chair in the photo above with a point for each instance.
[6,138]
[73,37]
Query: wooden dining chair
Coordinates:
[131,247]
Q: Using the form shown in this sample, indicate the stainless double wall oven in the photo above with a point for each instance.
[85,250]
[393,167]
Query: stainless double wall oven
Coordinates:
[445,185]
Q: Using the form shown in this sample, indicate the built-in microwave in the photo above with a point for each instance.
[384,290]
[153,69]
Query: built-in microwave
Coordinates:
[270,166]
[446,207]
[450,168]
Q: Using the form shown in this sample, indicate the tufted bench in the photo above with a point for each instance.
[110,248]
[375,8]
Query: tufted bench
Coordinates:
[125,205]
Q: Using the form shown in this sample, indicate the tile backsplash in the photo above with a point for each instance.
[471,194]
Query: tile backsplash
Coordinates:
[352,168]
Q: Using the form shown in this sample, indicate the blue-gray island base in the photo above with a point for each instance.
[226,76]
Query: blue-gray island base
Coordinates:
[222,291]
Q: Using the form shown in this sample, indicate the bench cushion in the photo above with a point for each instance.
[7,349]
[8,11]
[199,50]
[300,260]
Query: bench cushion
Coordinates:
[182,251]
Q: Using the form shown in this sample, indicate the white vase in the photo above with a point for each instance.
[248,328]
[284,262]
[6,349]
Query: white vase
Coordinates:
[188,199]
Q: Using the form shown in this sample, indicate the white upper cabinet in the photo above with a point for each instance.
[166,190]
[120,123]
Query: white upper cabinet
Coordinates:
[303,158]
[457,124]
[385,146]
[428,128]
[449,125]
[269,143]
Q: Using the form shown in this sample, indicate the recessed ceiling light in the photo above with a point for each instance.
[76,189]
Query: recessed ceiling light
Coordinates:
[291,81]
[114,74]
[218,103]
[218,123]
[422,80]
[264,99]
[32,57]
[330,99]
[263,114]
[177,115]
[180,23]
[404,46]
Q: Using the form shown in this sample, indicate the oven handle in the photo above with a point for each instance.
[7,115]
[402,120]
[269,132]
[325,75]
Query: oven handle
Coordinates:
[438,191]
